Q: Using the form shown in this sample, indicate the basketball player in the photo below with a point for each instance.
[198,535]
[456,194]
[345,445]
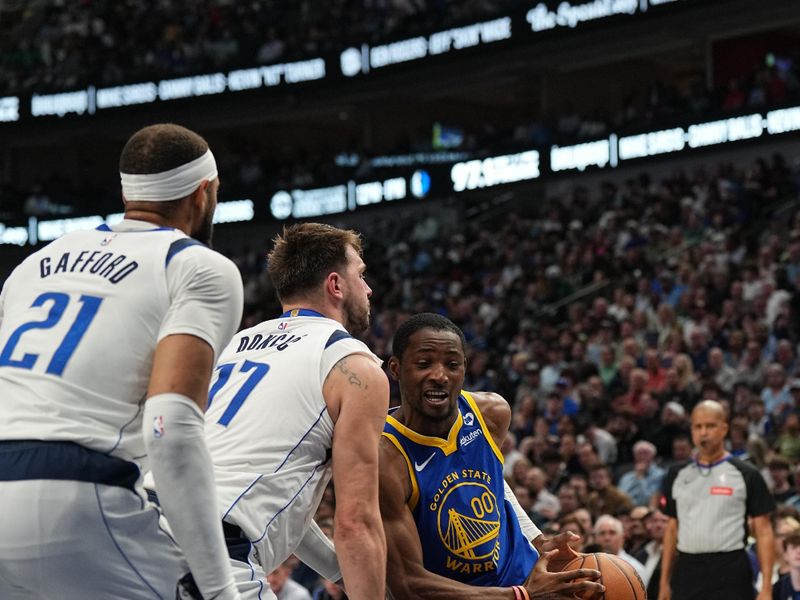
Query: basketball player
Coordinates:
[451,524]
[297,399]
[107,343]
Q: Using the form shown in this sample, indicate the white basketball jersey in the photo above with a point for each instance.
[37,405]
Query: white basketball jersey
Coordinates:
[268,428]
[80,321]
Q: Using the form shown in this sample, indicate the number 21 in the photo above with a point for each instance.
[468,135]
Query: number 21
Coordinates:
[64,352]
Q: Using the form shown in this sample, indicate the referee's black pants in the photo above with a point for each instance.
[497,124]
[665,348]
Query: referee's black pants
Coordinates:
[713,576]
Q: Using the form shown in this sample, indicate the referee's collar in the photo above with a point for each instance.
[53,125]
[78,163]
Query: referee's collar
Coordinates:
[725,458]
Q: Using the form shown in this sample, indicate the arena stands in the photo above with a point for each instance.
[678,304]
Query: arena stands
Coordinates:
[602,303]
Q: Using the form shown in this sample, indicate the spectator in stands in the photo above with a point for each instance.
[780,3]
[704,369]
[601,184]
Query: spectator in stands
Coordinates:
[635,533]
[788,442]
[776,395]
[718,372]
[644,481]
[608,533]
[544,502]
[605,497]
[283,586]
[656,375]
[750,369]
[655,522]
[631,402]
[780,470]
[568,499]
[788,586]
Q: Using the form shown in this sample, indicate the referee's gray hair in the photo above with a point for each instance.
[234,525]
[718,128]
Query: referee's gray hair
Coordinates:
[613,521]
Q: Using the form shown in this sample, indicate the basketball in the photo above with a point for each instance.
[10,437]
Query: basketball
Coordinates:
[620,578]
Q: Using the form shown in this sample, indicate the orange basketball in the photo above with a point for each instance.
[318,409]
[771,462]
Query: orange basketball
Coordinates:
[620,578]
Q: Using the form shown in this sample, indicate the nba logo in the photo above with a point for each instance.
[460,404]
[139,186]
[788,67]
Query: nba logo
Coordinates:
[158,426]
[469,419]
[108,239]
[283,326]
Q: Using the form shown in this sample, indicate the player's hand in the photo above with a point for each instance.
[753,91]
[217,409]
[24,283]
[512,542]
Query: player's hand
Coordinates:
[565,552]
[764,594]
[542,584]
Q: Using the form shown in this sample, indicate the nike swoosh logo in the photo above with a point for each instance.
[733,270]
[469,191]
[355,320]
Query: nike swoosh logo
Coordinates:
[419,466]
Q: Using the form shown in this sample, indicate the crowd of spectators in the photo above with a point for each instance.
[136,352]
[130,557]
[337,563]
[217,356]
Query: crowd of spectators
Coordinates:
[65,45]
[699,275]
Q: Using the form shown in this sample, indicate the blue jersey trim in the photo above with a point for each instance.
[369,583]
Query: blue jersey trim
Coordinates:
[105,227]
[301,312]
[117,546]
[179,245]
[280,466]
[337,336]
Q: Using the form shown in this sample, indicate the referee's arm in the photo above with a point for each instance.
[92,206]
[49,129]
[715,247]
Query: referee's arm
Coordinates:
[669,546]
[668,550]
[765,548]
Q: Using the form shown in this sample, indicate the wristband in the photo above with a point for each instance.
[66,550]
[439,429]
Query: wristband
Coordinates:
[523,593]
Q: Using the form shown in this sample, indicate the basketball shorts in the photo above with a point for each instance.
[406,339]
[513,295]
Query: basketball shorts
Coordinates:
[74,527]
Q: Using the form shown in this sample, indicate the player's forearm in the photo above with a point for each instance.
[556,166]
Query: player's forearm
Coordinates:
[361,549]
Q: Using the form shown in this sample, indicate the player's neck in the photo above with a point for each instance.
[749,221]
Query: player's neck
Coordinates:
[137,214]
[325,311]
[424,425]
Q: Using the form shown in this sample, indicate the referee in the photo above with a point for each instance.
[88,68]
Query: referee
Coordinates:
[708,502]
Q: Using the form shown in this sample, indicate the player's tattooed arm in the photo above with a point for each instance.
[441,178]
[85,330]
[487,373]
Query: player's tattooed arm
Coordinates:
[353,378]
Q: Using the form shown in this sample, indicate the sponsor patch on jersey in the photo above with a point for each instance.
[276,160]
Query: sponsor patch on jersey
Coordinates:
[158,426]
[721,491]
[470,437]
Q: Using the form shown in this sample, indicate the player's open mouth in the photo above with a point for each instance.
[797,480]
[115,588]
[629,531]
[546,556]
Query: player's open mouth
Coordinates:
[437,398]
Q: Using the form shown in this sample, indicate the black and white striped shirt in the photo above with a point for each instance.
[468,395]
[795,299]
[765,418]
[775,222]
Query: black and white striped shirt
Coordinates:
[712,503]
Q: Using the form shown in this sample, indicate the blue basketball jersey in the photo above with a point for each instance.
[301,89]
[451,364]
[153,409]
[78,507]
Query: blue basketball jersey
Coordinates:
[469,532]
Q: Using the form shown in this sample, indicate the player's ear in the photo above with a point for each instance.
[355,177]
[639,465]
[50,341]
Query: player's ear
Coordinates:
[333,284]
[394,368]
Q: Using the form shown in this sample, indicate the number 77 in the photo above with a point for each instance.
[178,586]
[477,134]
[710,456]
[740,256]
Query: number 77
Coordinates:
[225,371]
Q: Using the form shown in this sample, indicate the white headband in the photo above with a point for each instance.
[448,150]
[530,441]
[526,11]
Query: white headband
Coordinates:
[169,185]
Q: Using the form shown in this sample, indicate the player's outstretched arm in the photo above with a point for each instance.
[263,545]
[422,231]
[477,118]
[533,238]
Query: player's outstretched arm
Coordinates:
[181,463]
[358,388]
[407,577]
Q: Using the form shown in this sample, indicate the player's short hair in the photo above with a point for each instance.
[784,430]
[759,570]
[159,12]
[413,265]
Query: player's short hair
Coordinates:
[423,321]
[306,254]
[159,148]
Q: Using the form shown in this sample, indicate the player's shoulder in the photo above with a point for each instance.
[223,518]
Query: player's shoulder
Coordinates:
[491,405]
[393,459]
[188,253]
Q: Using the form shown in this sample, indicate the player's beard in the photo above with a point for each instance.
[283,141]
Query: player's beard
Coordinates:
[356,318]
[205,232]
